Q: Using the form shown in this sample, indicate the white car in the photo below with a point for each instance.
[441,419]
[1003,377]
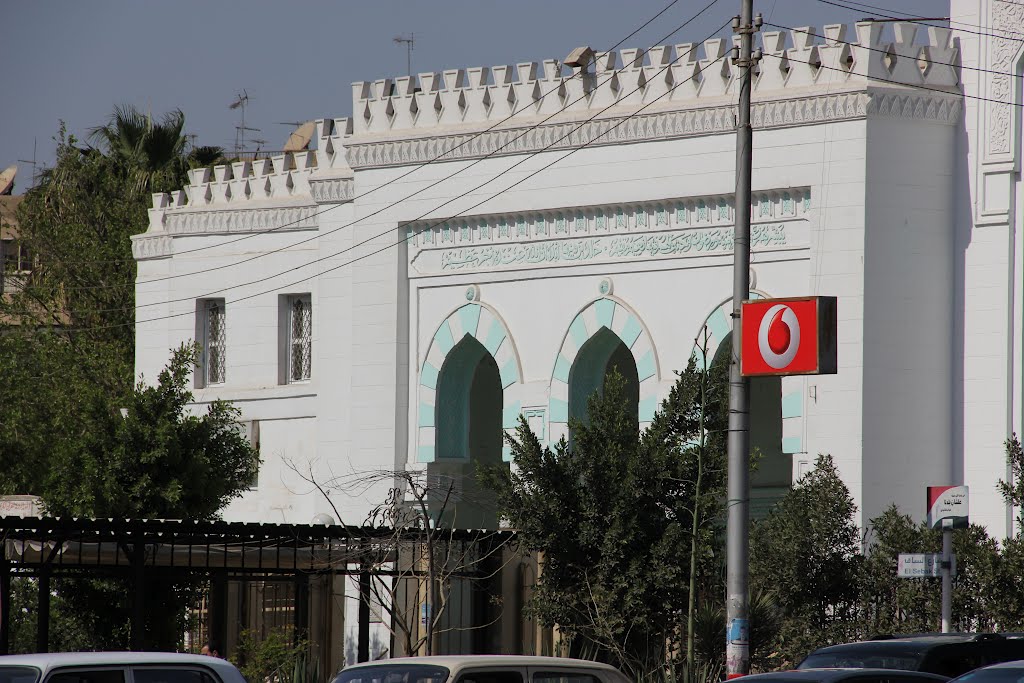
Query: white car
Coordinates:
[116,667]
[480,669]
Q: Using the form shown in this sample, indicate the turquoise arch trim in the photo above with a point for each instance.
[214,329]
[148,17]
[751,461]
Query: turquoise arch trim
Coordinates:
[443,338]
[428,376]
[793,405]
[604,308]
[608,313]
[719,325]
[495,338]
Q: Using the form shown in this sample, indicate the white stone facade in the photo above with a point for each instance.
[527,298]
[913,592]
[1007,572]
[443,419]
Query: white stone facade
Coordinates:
[434,215]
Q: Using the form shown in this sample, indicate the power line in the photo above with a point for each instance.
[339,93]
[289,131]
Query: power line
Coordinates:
[859,6]
[885,52]
[439,157]
[901,83]
[508,143]
[437,223]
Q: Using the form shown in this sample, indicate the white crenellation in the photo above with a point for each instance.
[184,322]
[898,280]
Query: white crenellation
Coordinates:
[835,55]
[252,185]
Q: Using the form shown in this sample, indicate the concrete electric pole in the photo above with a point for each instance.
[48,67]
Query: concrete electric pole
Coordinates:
[737,642]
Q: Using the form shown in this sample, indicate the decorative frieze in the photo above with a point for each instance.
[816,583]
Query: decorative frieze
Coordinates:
[693,212]
[664,125]
[697,226]
[576,251]
[1007,19]
[151,246]
[332,190]
[277,219]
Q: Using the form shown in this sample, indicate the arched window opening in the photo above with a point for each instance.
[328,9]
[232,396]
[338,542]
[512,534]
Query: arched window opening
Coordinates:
[469,432]
[594,362]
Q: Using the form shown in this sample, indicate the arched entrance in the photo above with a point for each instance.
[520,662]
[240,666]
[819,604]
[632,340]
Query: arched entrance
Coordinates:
[599,356]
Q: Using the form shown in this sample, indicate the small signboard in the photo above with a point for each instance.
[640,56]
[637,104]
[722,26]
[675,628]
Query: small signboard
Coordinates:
[922,565]
[948,507]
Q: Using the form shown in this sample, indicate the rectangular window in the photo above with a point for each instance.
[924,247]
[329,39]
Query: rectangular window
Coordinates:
[16,257]
[214,341]
[300,338]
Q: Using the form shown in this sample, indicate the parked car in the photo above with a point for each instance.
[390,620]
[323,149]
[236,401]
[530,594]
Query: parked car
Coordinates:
[846,676]
[949,654]
[116,667]
[1006,672]
[480,669]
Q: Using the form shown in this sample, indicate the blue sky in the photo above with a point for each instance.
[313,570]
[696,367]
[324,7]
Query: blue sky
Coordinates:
[73,61]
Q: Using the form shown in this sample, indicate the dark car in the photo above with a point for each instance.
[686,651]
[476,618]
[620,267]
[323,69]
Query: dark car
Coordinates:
[944,654]
[1007,672]
[846,676]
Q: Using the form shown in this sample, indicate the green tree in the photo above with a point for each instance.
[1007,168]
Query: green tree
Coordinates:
[807,551]
[1008,611]
[158,460]
[67,358]
[613,517]
[890,604]
[151,153]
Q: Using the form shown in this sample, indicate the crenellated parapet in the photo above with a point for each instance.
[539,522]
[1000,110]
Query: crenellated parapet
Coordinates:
[838,55]
[241,195]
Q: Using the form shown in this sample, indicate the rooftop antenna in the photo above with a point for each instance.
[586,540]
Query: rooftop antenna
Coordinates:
[409,42]
[241,100]
[33,162]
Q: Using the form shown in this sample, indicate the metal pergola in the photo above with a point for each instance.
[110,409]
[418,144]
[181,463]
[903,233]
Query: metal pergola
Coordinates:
[137,550]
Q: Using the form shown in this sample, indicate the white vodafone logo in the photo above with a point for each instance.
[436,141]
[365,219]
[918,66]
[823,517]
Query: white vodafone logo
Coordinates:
[778,338]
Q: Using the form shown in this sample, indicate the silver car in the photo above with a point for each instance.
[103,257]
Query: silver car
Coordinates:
[117,667]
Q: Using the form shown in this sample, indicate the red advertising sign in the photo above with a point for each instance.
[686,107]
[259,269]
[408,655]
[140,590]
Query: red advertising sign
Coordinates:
[788,336]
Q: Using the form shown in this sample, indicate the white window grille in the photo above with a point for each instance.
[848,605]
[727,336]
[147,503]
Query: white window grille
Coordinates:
[300,339]
[216,341]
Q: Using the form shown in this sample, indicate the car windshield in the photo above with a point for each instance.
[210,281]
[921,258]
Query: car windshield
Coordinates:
[852,659]
[1000,674]
[398,673]
[18,674]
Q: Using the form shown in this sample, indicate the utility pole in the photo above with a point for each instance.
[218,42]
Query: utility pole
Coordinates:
[947,577]
[737,640]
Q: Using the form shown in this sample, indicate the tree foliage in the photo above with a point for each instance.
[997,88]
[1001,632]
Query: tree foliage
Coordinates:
[158,460]
[67,358]
[611,517]
[806,551]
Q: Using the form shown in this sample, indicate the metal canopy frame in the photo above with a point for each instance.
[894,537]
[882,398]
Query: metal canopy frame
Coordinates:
[138,549]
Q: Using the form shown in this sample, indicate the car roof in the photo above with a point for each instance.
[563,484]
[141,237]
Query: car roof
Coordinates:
[1016,664]
[838,674]
[919,643]
[460,661]
[49,660]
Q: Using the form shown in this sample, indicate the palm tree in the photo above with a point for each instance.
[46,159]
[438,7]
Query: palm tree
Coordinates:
[154,154]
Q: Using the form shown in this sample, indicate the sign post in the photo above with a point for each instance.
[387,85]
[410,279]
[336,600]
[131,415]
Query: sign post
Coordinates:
[947,510]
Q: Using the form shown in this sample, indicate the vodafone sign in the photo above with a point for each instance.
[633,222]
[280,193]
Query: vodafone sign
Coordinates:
[788,336]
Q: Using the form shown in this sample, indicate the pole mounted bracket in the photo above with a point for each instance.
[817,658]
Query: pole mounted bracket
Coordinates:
[737,27]
[755,57]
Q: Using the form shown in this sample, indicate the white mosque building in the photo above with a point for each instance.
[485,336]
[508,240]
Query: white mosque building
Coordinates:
[483,243]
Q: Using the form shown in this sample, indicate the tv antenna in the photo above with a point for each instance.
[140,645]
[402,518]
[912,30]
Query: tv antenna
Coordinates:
[241,100]
[409,42]
[33,162]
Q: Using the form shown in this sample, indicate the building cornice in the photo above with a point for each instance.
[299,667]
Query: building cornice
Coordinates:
[664,125]
[332,190]
[180,223]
